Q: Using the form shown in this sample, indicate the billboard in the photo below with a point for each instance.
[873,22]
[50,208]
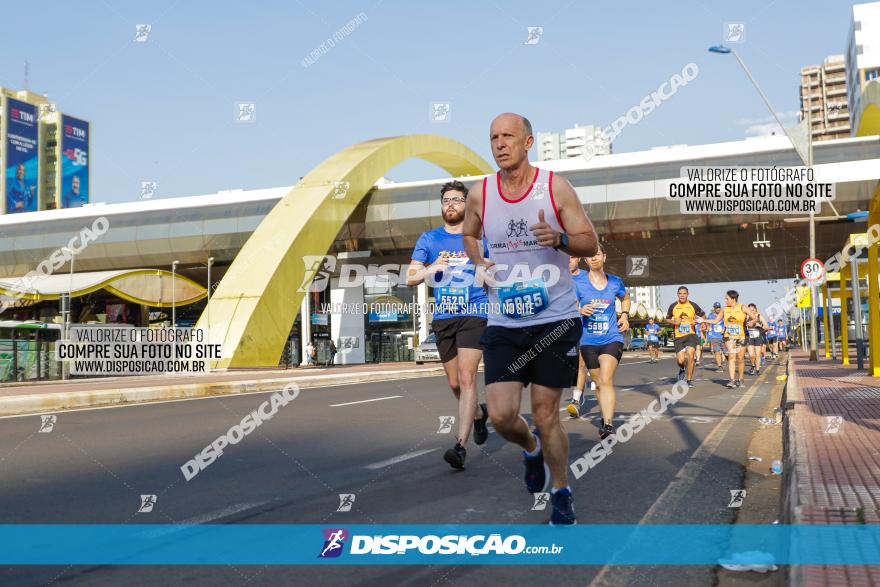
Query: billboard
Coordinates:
[22,157]
[74,162]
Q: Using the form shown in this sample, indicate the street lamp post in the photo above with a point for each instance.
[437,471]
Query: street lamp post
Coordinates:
[173,292]
[808,162]
[65,368]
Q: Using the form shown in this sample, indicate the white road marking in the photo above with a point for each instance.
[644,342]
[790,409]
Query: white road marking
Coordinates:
[209,517]
[659,512]
[399,459]
[364,401]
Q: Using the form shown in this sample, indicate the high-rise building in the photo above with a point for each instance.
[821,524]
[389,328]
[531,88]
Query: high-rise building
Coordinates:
[862,54]
[582,140]
[823,88]
[648,295]
[44,155]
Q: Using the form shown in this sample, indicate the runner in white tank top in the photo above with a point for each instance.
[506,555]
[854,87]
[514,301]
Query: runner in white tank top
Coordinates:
[531,218]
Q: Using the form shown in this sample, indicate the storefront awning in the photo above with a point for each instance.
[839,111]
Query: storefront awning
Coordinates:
[150,287]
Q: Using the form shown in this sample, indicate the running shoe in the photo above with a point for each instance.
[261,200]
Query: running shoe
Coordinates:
[690,382]
[605,430]
[537,472]
[481,433]
[574,408]
[752,371]
[455,456]
[681,374]
[731,384]
[563,508]
[740,383]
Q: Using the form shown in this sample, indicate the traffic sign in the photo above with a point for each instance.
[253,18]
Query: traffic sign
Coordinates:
[813,271]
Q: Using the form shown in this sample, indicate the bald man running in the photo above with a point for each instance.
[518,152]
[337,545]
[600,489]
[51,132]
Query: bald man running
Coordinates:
[532,220]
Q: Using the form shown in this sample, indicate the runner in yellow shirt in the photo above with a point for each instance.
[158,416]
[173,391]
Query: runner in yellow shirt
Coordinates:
[683,314]
[733,317]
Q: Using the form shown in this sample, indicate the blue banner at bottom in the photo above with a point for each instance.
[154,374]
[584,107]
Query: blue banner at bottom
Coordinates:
[360,544]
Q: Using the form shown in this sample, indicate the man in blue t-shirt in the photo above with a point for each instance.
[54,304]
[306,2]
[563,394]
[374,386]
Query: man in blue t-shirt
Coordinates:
[652,333]
[781,336]
[460,312]
[716,336]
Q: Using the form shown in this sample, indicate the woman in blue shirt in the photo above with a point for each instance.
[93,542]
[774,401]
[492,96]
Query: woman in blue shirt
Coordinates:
[601,343]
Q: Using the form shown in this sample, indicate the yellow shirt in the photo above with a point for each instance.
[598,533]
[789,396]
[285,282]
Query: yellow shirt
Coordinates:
[734,319]
[686,313]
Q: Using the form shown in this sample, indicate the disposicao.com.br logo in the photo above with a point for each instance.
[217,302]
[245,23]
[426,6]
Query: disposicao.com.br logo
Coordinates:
[431,544]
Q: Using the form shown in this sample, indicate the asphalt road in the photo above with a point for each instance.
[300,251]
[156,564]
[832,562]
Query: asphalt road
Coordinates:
[95,464]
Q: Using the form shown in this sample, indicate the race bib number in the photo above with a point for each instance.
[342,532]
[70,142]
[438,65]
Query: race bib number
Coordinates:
[734,330]
[718,328]
[652,337]
[598,324]
[754,333]
[523,300]
[452,299]
[684,328]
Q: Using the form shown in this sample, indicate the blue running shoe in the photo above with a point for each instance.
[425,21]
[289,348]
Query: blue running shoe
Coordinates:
[537,472]
[563,508]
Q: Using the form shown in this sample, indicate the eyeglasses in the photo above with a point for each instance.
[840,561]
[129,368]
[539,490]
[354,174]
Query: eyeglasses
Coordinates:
[447,201]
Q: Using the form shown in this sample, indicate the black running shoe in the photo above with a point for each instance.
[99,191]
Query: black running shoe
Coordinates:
[455,456]
[681,374]
[605,430]
[690,382]
[731,384]
[752,371]
[481,433]
[537,472]
[563,508]
[740,383]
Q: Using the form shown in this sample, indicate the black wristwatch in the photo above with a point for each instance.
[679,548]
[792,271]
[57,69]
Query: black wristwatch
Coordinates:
[563,242]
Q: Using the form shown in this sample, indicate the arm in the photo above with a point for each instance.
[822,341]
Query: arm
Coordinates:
[669,317]
[417,271]
[623,320]
[472,229]
[582,238]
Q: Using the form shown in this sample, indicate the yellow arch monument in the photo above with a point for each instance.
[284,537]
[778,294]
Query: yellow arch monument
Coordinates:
[255,304]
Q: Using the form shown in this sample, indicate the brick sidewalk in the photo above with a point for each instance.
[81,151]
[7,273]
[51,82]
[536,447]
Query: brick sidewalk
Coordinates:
[832,476]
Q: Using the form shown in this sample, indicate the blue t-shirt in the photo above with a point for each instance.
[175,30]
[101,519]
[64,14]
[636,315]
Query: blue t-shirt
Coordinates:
[653,332]
[454,294]
[780,330]
[601,327]
[771,333]
[715,330]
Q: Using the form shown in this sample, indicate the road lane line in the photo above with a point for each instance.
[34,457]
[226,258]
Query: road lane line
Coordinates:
[363,401]
[684,478]
[399,459]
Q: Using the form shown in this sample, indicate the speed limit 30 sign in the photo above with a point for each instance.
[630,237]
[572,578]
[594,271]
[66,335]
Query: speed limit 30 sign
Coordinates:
[813,271]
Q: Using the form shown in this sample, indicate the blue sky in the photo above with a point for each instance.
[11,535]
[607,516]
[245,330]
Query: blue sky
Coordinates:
[163,110]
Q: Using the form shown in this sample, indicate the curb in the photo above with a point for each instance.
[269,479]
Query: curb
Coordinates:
[792,447]
[44,402]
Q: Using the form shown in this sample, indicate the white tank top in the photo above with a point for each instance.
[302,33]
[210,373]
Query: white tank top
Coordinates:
[531,284]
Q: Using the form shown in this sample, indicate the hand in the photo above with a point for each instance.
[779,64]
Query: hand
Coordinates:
[623,323]
[587,310]
[440,265]
[547,237]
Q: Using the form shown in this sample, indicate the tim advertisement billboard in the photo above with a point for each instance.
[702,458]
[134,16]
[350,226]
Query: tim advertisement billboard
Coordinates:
[74,162]
[22,157]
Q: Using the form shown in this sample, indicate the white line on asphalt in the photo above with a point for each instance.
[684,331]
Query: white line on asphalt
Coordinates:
[664,506]
[209,517]
[363,401]
[399,458]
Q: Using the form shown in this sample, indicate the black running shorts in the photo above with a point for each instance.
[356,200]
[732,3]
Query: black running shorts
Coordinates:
[461,332]
[689,340]
[545,354]
[591,353]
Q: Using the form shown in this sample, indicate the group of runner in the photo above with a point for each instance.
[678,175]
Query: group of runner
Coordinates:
[733,331]
[532,331]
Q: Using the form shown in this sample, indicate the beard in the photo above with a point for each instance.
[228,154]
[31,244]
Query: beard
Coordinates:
[453,216]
